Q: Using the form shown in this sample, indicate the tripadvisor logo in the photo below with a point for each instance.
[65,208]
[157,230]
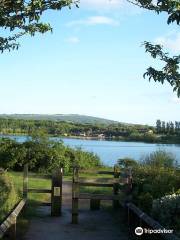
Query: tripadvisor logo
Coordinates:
[139,231]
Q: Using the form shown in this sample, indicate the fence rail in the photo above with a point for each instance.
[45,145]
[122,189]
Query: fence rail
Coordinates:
[93,184]
[97,196]
[9,224]
[105,172]
[33,190]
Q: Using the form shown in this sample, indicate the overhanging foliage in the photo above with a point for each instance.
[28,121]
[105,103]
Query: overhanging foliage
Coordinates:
[23,17]
[170,72]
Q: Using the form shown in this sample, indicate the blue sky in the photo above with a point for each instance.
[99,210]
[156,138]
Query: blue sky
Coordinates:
[92,64]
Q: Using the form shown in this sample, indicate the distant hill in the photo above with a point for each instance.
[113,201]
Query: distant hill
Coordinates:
[75,118]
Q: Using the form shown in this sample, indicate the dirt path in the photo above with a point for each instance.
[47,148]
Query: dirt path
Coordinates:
[93,225]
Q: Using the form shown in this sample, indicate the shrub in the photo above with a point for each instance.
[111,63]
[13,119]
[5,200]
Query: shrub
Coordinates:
[157,182]
[167,211]
[86,160]
[145,202]
[159,159]
[143,137]
[9,153]
[8,196]
[43,155]
[154,182]
[156,176]
[127,162]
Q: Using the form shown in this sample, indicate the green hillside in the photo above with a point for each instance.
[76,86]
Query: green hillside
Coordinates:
[75,118]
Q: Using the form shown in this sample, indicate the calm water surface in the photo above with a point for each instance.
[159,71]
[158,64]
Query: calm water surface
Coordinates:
[110,151]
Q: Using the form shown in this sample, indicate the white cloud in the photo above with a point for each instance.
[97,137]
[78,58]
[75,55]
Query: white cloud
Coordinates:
[73,40]
[170,41]
[95,20]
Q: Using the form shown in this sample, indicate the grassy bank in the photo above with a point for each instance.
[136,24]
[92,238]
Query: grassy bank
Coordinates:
[33,182]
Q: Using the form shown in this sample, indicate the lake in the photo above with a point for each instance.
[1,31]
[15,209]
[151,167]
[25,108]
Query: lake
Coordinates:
[110,151]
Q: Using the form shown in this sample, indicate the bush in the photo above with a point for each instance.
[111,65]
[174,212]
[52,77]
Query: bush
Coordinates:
[142,137]
[157,182]
[8,196]
[9,153]
[68,157]
[159,159]
[86,160]
[43,155]
[127,162]
[145,202]
[156,176]
[167,211]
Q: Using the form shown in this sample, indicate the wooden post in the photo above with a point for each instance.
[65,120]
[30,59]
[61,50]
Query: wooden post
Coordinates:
[56,195]
[95,204]
[116,186]
[75,195]
[116,171]
[128,180]
[25,182]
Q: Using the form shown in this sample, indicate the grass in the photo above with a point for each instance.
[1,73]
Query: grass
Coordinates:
[33,182]
[34,199]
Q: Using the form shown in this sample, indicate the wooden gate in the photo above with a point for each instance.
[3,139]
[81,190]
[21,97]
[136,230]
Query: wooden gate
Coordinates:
[94,198]
[55,191]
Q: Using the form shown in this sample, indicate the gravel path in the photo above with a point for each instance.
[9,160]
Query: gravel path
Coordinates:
[93,225]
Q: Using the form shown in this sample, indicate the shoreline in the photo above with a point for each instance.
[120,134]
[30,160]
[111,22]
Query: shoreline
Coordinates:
[98,139]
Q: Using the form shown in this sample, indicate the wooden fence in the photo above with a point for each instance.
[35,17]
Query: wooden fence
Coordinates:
[136,217]
[94,198]
[55,191]
[9,224]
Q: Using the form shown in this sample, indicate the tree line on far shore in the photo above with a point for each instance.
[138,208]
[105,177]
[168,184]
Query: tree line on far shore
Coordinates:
[170,127]
[167,132]
[66,128]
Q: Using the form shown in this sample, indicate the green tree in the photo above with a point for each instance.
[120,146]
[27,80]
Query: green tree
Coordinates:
[23,17]
[163,127]
[171,127]
[177,127]
[158,126]
[170,72]
[11,152]
[167,127]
